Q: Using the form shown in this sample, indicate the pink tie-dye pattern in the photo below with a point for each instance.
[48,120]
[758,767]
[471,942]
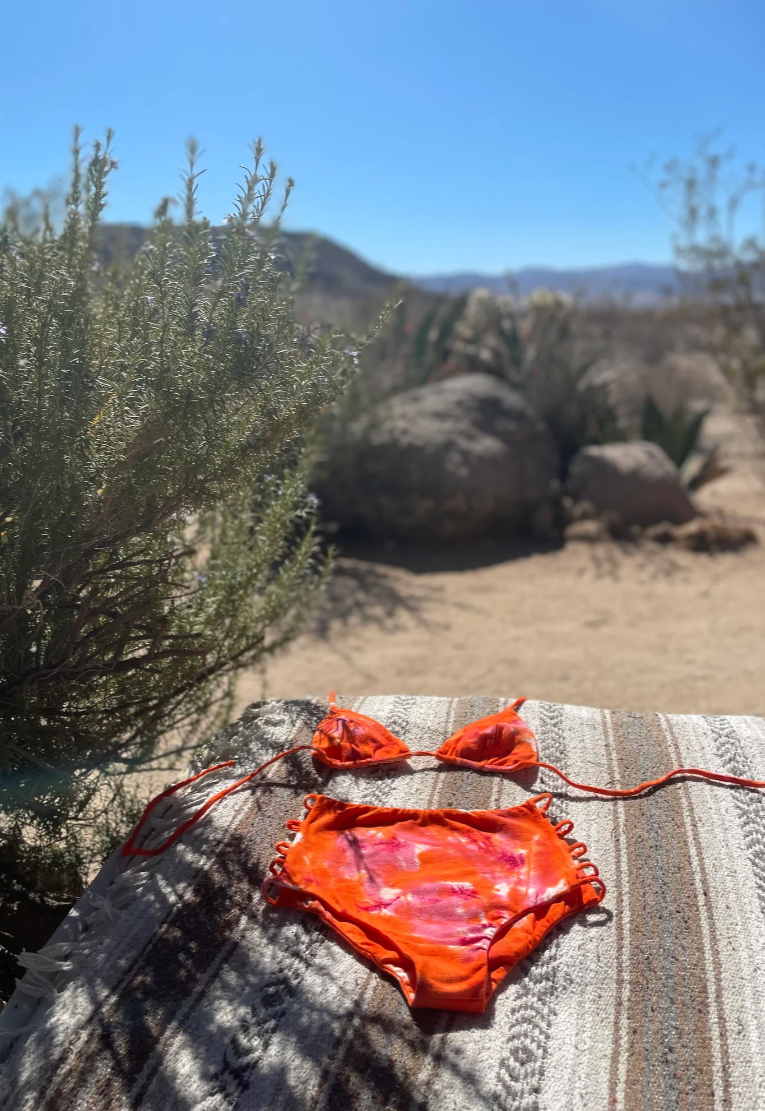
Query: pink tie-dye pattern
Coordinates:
[450,912]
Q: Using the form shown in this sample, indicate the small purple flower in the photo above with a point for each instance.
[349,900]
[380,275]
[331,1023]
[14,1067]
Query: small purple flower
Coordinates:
[3,333]
[208,332]
[241,294]
[312,500]
[242,337]
[149,301]
[353,354]
[303,340]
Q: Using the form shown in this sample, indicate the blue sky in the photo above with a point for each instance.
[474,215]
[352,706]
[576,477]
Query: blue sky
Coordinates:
[429,135]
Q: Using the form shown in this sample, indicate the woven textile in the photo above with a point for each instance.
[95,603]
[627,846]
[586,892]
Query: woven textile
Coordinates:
[174,986]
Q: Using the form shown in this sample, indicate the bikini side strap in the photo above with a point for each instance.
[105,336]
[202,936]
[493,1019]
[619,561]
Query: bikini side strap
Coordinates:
[129,848]
[630,792]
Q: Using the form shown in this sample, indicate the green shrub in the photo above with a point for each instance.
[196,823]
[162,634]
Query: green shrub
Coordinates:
[156,534]
[725,269]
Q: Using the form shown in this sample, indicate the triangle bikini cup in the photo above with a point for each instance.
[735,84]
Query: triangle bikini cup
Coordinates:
[501,742]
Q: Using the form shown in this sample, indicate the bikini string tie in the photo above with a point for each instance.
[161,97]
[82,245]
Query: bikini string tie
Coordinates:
[629,792]
[130,849]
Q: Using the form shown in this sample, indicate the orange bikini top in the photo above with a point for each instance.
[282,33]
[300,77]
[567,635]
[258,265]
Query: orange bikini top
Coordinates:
[501,742]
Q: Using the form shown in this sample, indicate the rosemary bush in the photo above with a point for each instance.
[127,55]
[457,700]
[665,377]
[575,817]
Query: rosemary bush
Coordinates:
[156,534]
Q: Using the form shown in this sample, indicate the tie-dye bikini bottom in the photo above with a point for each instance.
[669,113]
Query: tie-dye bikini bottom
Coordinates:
[445,901]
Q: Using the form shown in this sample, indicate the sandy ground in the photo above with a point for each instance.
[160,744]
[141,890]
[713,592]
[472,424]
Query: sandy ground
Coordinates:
[620,626]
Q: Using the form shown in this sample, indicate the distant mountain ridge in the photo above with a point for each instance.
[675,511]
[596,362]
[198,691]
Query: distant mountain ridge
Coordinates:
[340,272]
[333,269]
[640,283]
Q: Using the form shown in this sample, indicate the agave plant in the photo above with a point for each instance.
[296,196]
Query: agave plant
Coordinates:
[679,434]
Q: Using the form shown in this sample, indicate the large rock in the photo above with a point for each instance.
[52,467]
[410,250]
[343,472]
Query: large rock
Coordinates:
[636,480]
[462,458]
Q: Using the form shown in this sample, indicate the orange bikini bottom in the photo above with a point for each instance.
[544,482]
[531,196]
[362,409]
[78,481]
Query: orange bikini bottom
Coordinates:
[446,901]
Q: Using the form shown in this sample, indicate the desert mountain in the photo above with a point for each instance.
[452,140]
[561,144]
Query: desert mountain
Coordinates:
[330,269]
[337,272]
[636,282]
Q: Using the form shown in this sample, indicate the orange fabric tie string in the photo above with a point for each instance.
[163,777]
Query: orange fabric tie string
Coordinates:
[629,792]
[129,848]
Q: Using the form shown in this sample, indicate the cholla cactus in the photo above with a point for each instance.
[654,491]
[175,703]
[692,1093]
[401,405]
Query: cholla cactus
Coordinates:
[486,338]
[560,374]
[155,530]
[548,320]
[542,348]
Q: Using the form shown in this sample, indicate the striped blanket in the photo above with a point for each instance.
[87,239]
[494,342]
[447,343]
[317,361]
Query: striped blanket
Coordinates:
[173,985]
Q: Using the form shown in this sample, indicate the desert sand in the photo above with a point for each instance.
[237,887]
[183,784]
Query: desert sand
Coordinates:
[636,627]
